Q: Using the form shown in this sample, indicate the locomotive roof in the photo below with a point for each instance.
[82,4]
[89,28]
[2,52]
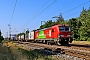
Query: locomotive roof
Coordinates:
[62,25]
[53,26]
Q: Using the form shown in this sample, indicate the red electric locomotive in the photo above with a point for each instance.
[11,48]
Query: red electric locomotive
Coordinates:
[60,33]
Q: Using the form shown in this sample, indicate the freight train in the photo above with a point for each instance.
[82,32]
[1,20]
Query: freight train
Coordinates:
[57,34]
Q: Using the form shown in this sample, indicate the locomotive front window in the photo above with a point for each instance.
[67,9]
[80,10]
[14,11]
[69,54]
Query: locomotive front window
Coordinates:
[67,29]
[64,28]
[61,28]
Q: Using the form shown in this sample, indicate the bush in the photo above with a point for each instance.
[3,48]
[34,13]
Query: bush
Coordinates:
[88,39]
[1,38]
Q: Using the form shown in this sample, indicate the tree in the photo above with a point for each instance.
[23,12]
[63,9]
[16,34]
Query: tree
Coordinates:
[83,28]
[20,34]
[88,24]
[27,31]
[47,24]
[1,37]
[73,25]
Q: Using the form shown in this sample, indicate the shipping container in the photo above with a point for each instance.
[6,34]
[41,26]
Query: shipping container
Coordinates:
[31,35]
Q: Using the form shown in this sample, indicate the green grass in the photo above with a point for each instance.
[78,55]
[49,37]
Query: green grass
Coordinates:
[5,53]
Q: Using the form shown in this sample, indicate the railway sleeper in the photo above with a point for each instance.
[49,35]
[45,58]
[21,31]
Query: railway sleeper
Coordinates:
[59,50]
[88,54]
[87,58]
[70,54]
[71,51]
[84,57]
[85,54]
[77,54]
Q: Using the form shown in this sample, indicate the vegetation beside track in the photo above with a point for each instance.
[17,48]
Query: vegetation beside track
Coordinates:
[15,51]
[80,42]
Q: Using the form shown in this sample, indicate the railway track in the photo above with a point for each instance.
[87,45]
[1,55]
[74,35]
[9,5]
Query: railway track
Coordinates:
[76,52]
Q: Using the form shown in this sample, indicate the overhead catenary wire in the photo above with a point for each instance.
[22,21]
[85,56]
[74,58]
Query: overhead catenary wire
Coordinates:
[40,8]
[13,29]
[76,7]
[73,14]
[13,11]
[62,8]
[40,12]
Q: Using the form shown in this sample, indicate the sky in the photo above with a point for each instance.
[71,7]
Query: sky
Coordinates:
[28,14]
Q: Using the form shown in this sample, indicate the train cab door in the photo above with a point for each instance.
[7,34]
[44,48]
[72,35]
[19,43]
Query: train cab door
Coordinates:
[52,33]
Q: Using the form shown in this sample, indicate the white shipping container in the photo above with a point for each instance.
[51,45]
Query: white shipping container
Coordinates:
[26,36]
[22,37]
[31,35]
[19,37]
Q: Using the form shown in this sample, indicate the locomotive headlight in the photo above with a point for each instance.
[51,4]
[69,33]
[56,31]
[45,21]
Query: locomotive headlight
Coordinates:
[68,35]
[62,35]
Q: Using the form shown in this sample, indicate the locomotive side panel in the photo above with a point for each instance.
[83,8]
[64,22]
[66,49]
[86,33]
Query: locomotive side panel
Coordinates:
[55,32]
[40,34]
[36,34]
[43,34]
[48,33]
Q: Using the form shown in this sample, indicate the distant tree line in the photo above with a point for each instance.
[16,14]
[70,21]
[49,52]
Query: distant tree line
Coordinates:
[27,31]
[1,37]
[80,26]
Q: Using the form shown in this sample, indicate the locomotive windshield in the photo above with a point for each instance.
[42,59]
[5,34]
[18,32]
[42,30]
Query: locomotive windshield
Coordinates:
[64,28]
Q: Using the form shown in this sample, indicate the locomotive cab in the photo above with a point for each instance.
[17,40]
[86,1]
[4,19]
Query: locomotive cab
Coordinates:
[64,34]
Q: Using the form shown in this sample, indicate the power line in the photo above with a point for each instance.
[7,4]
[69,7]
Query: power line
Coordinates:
[13,11]
[13,29]
[76,7]
[62,8]
[41,12]
[47,7]
[40,8]
[73,14]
